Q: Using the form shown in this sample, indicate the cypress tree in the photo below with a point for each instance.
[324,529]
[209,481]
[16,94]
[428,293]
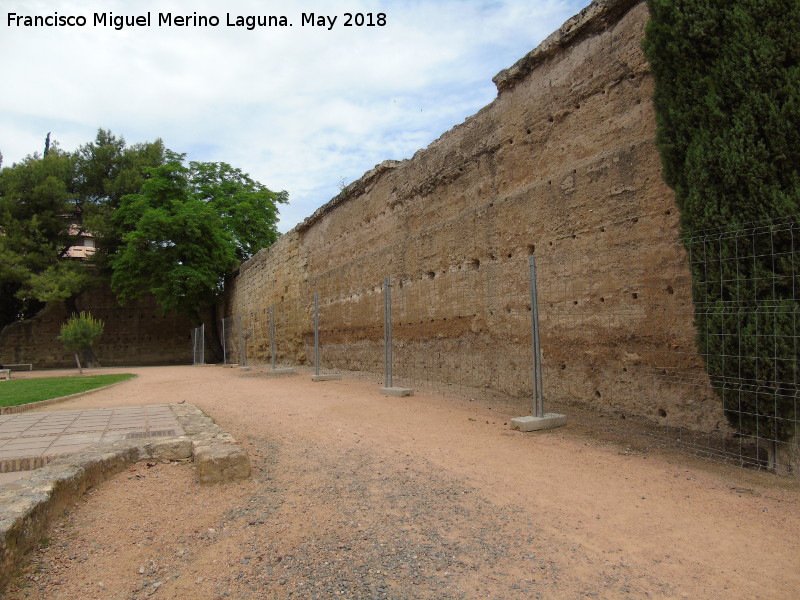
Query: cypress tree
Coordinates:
[727,99]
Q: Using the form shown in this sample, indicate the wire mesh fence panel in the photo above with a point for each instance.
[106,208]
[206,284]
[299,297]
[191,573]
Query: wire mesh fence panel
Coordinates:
[198,345]
[698,336]
[323,334]
[350,334]
[229,337]
[465,332]
[284,334]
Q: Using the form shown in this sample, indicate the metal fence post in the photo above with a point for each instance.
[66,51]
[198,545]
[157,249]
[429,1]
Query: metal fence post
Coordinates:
[203,344]
[538,395]
[316,334]
[224,345]
[387,332]
[241,339]
[272,336]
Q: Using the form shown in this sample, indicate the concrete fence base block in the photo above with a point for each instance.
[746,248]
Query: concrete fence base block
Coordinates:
[397,391]
[328,377]
[548,421]
[244,368]
[285,371]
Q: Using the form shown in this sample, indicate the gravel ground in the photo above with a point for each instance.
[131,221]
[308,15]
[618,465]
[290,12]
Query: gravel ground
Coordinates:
[359,496]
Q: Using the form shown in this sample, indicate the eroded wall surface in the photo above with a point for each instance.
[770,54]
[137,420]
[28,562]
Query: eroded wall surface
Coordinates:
[561,165]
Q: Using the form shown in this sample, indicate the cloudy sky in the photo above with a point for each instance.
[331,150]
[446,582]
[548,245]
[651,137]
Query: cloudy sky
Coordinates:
[300,108]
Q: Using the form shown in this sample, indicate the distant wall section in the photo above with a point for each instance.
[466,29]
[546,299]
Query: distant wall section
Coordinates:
[137,334]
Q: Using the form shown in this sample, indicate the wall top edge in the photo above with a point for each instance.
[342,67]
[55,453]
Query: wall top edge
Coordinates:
[354,189]
[597,17]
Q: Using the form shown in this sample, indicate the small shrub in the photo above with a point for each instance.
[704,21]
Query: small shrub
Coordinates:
[80,333]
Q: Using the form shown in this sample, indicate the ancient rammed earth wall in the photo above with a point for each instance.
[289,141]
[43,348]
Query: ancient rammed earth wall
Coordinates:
[562,164]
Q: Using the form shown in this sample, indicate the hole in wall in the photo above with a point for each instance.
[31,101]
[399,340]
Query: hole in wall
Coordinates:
[602,299]
[635,296]
[668,212]
[430,274]
[474,263]
[624,369]
[528,131]
[575,302]
[550,119]
[670,290]
[508,255]
[531,249]
[662,413]
[602,229]
[563,366]
[597,394]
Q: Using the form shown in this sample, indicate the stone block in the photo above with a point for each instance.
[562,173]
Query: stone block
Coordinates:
[221,463]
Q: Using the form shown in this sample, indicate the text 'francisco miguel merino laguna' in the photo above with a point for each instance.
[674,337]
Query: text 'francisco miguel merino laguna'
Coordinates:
[169,19]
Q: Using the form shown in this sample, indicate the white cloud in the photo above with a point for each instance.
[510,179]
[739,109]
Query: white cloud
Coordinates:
[297,108]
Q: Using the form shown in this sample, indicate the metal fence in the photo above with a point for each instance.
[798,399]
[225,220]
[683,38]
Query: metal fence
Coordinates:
[691,343]
[698,335]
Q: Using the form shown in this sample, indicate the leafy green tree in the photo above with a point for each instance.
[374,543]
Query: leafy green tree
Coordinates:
[80,333]
[187,231]
[47,203]
[727,103]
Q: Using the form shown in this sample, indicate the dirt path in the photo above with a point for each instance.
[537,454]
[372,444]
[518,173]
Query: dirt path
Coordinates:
[356,495]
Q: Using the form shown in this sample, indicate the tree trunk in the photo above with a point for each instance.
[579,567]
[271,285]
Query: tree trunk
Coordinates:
[89,358]
[71,305]
[78,361]
[786,457]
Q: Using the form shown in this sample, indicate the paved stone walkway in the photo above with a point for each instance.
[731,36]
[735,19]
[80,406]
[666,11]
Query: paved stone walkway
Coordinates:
[31,440]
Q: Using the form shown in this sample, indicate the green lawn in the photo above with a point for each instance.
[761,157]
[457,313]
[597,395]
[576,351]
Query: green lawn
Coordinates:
[24,391]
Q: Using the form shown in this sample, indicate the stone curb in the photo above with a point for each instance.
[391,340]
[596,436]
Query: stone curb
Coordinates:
[11,410]
[29,506]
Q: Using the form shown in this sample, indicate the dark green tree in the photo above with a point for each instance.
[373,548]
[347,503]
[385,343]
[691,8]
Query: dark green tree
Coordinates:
[106,170]
[36,202]
[727,101]
[187,231]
